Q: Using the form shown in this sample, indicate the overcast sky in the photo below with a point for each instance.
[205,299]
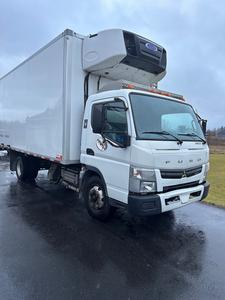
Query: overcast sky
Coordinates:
[192,32]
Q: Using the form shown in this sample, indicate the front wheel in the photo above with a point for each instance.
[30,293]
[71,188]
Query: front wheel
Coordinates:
[96,201]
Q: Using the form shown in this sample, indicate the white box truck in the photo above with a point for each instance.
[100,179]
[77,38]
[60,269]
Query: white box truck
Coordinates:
[87,108]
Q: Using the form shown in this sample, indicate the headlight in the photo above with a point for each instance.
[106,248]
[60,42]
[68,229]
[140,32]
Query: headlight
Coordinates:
[148,186]
[206,171]
[142,180]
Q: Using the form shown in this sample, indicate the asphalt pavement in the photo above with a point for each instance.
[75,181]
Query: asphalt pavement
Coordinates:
[50,248]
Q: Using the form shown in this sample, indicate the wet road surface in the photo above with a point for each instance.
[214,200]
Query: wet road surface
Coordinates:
[50,248]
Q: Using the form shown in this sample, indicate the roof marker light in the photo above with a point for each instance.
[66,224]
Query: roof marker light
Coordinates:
[130,86]
[152,91]
[167,94]
[160,93]
[182,99]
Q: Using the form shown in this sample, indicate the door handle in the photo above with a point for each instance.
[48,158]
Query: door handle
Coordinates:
[89,151]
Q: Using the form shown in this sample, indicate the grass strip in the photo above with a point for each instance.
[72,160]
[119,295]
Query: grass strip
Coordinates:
[216,178]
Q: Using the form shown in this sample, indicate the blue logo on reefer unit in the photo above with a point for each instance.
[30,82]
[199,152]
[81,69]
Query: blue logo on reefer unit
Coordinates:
[151,47]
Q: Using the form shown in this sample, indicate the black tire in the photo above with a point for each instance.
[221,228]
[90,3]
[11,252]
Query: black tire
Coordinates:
[34,168]
[22,168]
[96,201]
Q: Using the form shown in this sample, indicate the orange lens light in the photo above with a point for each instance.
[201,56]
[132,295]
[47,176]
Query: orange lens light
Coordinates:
[130,86]
[152,91]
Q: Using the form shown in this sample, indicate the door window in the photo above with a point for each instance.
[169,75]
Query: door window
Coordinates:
[109,119]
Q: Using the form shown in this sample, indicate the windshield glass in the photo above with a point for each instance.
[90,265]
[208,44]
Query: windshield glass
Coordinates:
[163,119]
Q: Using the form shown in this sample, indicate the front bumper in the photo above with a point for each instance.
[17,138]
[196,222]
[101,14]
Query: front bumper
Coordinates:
[153,204]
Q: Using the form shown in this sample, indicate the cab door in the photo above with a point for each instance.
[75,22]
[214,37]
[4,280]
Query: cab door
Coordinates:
[107,145]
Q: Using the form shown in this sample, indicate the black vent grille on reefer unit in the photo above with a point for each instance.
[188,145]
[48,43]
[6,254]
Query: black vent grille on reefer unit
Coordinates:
[144,54]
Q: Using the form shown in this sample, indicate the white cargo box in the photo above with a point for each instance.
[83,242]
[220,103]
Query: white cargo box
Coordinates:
[42,101]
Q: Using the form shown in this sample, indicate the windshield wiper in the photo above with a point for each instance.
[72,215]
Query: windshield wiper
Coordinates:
[193,134]
[180,142]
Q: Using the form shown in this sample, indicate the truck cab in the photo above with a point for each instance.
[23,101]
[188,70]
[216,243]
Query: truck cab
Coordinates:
[148,149]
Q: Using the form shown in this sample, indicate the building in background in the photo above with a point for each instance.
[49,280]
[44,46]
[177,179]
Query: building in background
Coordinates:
[221,133]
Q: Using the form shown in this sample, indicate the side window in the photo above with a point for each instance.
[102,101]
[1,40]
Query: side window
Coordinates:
[115,117]
[115,124]
[96,120]
[109,119]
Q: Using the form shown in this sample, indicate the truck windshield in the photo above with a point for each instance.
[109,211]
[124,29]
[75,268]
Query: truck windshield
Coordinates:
[163,119]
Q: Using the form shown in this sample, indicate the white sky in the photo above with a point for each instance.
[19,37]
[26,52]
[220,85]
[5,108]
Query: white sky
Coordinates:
[192,32]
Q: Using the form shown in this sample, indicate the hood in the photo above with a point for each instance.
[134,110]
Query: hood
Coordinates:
[168,155]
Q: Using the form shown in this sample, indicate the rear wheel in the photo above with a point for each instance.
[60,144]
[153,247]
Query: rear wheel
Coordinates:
[22,168]
[96,201]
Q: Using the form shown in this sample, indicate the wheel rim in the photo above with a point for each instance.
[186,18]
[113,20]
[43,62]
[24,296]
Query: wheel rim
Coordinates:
[18,168]
[96,197]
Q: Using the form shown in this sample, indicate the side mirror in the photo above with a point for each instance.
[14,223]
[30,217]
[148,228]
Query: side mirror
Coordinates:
[204,123]
[126,140]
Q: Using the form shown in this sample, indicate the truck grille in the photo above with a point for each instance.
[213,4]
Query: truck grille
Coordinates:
[180,186]
[178,174]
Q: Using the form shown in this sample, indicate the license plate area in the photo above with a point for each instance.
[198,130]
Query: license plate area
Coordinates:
[172,200]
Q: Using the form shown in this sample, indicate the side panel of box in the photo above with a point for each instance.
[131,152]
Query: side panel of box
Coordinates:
[31,100]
